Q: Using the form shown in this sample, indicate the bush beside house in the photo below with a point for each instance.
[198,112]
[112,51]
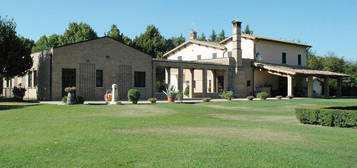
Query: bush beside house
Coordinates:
[134,95]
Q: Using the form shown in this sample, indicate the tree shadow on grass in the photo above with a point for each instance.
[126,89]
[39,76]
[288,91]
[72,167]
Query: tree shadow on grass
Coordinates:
[15,106]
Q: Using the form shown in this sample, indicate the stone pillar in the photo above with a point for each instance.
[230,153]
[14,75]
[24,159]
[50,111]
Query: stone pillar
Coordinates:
[214,89]
[191,82]
[310,90]
[225,83]
[339,87]
[290,86]
[153,80]
[326,87]
[204,82]
[180,79]
[168,75]
[114,94]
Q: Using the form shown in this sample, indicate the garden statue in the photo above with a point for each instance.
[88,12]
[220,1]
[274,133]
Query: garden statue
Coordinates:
[114,94]
[70,95]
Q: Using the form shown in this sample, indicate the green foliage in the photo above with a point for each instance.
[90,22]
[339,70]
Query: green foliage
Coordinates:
[134,95]
[115,33]
[206,99]
[80,100]
[45,43]
[202,37]
[187,91]
[247,30]
[228,95]
[179,96]
[328,116]
[64,99]
[213,36]
[250,98]
[221,36]
[174,42]
[170,91]
[19,93]
[15,51]
[77,32]
[151,42]
[152,100]
[263,95]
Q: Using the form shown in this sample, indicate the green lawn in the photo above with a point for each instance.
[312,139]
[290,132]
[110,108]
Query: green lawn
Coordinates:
[216,134]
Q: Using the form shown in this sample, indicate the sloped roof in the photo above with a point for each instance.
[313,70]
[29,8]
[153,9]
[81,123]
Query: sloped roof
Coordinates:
[296,70]
[198,42]
[254,37]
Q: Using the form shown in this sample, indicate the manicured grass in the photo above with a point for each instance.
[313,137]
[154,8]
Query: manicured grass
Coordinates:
[215,134]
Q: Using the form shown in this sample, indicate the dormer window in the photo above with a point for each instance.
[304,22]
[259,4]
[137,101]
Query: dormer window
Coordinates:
[214,55]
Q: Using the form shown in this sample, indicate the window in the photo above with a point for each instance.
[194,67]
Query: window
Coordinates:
[139,79]
[179,58]
[214,55]
[248,83]
[99,78]
[258,56]
[229,53]
[29,79]
[283,58]
[35,76]
[198,57]
[299,59]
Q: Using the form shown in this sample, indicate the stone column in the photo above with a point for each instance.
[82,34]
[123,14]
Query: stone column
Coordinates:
[168,75]
[310,90]
[225,83]
[326,87]
[180,79]
[290,86]
[339,87]
[204,82]
[191,82]
[214,82]
[153,80]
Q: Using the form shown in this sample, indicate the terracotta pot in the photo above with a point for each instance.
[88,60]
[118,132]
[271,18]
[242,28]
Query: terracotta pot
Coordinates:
[170,99]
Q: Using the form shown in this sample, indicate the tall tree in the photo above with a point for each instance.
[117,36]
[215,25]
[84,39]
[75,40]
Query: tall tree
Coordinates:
[15,51]
[221,36]
[332,63]
[77,32]
[115,33]
[151,42]
[174,42]
[314,61]
[213,36]
[45,42]
[247,30]
[202,37]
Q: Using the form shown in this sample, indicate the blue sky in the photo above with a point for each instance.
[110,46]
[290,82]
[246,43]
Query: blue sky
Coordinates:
[327,25]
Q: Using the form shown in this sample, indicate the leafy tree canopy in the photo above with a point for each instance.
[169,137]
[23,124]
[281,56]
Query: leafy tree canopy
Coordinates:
[248,30]
[202,37]
[151,42]
[77,32]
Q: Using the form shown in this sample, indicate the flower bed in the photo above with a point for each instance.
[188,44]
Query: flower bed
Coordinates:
[340,116]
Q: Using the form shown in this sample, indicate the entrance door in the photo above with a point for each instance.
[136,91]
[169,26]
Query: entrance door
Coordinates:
[124,80]
[220,83]
[68,79]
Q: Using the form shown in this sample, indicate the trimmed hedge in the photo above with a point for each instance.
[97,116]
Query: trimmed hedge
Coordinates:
[341,116]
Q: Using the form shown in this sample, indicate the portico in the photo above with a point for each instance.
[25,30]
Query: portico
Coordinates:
[202,79]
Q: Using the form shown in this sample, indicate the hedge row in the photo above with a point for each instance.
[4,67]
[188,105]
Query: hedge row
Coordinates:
[328,116]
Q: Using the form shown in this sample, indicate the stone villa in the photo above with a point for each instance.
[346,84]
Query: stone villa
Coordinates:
[245,64]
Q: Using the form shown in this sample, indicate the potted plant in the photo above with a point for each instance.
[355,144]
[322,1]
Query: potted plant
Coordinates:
[170,93]
[70,95]
[19,93]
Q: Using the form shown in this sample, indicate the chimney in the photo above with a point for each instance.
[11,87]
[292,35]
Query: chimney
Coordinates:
[236,40]
[193,35]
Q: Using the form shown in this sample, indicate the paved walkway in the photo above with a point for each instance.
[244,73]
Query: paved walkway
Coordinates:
[160,101]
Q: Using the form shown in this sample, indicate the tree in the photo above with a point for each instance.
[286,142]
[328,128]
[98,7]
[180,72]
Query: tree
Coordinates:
[77,32]
[221,36]
[174,42]
[213,36]
[314,61]
[45,42]
[114,33]
[151,42]
[248,31]
[15,51]
[332,63]
[202,37]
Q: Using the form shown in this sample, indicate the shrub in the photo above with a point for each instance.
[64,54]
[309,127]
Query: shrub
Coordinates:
[279,97]
[206,99]
[187,91]
[80,100]
[152,100]
[19,93]
[179,96]
[134,95]
[250,98]
[327,116]
[228,95]
[64,99]
[263,95]
[289,97]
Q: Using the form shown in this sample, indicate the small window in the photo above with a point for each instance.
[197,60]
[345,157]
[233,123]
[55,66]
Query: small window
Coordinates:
[248,83]
[229,53]
[35,76]
[214,55]
[99,78]
[299,59]
[29,79]
[179,58]
[139,79]
[258,56]
[198,57]
[283,58]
